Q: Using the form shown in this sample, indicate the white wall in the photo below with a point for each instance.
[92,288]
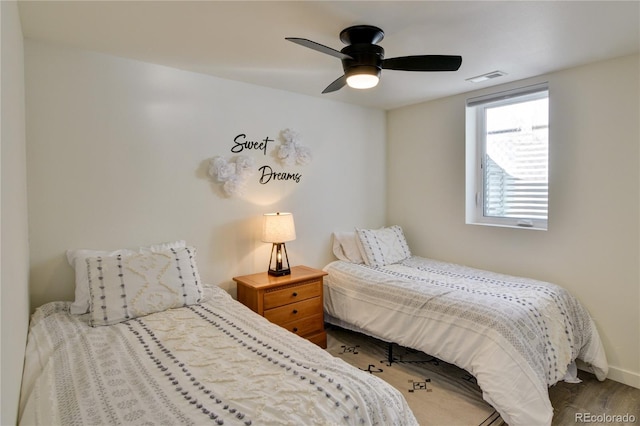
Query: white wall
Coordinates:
[592,245]
[117,153]
[14,252]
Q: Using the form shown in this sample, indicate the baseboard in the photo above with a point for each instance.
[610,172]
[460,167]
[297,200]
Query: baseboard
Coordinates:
[616,374]
[627,377]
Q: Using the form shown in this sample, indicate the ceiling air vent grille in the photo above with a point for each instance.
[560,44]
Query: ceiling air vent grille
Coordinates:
[487,76]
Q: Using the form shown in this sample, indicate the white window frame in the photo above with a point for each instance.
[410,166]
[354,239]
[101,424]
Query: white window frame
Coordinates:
[475,148]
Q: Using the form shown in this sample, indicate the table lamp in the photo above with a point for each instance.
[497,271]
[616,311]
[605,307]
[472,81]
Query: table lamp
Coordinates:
[278,228]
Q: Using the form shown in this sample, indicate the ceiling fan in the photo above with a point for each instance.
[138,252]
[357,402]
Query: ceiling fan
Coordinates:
[362,59]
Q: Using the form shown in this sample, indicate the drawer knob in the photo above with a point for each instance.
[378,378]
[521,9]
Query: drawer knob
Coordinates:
[295,329]
[295,311]
[294,294]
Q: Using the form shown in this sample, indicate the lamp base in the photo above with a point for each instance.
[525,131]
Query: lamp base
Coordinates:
[280,272]
[277,268]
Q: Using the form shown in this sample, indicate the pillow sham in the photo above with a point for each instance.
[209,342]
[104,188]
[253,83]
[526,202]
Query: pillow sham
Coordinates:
[124,287]
[383,246]
[76,259]
[345,247]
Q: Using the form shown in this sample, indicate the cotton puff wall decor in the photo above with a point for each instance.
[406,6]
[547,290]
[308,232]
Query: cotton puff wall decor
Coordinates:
[232,174]
[291,152]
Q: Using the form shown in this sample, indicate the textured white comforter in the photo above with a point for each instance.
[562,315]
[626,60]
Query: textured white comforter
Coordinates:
[517,336]
[212,363]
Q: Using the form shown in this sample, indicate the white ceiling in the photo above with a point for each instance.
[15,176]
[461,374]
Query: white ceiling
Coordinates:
[244,41]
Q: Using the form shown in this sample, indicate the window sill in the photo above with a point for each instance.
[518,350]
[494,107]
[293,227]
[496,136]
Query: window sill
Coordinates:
[532,226]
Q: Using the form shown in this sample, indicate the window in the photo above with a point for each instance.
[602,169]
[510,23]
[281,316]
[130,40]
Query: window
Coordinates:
[507,156]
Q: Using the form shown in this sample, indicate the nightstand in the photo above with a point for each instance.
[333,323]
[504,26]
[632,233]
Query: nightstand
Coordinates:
[292,301]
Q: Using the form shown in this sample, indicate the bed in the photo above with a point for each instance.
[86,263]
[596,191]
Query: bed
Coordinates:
[516,336]
[171,351]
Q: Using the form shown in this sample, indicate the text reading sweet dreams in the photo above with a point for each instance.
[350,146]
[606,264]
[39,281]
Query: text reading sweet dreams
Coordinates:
[241,143]
[267,174]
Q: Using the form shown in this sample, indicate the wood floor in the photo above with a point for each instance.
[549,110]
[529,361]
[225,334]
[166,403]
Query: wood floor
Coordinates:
[595,403]
[589,402]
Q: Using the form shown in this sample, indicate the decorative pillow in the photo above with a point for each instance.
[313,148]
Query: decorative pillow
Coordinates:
[345,247]
[76,259]
[383,246]
[124,287]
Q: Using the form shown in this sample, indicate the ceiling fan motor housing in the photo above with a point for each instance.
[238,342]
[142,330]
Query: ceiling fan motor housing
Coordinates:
[363,59]
[366,34]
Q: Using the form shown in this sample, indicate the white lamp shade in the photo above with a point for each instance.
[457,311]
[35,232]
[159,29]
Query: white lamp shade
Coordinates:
[278,228]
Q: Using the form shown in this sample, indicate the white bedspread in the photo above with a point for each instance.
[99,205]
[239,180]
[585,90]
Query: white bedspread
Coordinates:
[212,363]
[517,336]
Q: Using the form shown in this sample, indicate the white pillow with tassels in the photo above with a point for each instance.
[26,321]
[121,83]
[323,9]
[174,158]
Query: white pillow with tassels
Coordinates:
[128,286]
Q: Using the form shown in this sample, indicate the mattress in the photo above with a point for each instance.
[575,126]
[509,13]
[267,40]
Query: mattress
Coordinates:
[516,336]
[215,362]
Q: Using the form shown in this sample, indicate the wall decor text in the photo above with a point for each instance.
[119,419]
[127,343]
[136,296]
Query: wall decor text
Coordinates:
[234,173]
[267,175]
[241,143]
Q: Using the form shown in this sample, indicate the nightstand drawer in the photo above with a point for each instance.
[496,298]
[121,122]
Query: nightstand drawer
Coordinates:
[292,301]
[292,293]
[294,311]
[306,325]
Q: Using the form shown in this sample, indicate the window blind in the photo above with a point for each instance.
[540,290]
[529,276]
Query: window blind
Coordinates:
[516,173]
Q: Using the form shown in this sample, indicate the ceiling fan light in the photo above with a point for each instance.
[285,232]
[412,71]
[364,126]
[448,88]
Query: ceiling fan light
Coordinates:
[362,81]
[363,77]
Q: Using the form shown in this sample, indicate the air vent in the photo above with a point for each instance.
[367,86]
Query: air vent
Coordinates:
[487,76]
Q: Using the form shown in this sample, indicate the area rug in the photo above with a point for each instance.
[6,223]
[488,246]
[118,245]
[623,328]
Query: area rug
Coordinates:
[437,392]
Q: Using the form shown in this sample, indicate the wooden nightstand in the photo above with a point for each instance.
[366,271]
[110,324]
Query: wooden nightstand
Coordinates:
[292,301]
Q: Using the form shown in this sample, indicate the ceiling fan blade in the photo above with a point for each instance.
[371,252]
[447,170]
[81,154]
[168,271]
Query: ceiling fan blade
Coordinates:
[423,63]
[318,47]
[336,85]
